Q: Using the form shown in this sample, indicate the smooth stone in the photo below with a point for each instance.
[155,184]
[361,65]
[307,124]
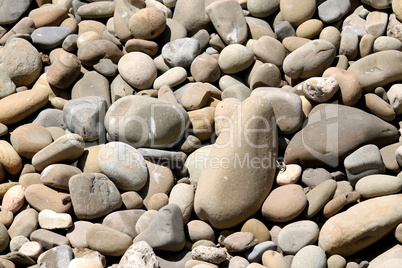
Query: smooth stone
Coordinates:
[7,85]
[14,199]
[93,195]
[355,229]
[366,45]
[291,43]
[156,122]
[269,50]
[205,68]
[377,69]
[382,4]
[397,9]
[132,173]
[91,52]
[395,98]
[17,241]
[6,218]
[288,117]
[262,9]
[87,37]
[290,174]
[257,228]
[336,261]
[84,262]
[318,197]
[247,197]
[229,64]
[31,249]
[60,255]
[384,43]
[295,236]
[58,175]
[223,112]
[14,110]
[42,197]
[123,11]
[284,203]
[140,45]
[356,167]
[320,89]
[161,180]
[124,221]
[192,15]
[239,92]
[24,26]
[238,262]
[24,223]
[271,258]
[209,254]
[10,11]
[195,96]
[88,162]
[239,241]
[173,77]
[264,75]
[183,195]
[296,12]
[378,185]
[120,88]
[388,155]
[64,72]
[144,220]
[166,93]
[50,118]
[350,91]
[165,231]
[70,43]
[306,149]
[28,179]
[339,201]
[376,23]
[49,37]
[228,20]
[181,52]
[89,254]
[310,28]
[48,239]
[174,30]
[331,11]
[97,10]
[85,116]
[76,234]
[107,241]
[10,161]
[3,129]
[29,139]
[310,256]
[67,148]
[349,45]
[138,76]
[48,15]
[255,254]
[139,254]
[4,237]
[147,23]
[284,29]
[309,60]
[332,35]
[49,220]
[200,230]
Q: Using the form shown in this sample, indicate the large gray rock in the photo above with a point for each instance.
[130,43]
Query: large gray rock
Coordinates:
[358,227]
[165,231]
[93,195]
[11,11]
[85,116]
[225,195]
[332,132]
[297,235]
[144,121]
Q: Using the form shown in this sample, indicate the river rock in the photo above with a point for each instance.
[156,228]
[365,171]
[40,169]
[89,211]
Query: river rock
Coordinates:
[309,60]
[48,239]
[14,199]
[54,36]
[247,197]
[139,254]
[239,241]
[24,223]
[330,11]
[181,52]
[107,241]
[183,195]
[165,231]
[64,72]
[209,254]
[355,229]
[77,234]
[9,158]
[295,12]
[318,197]
[378,184]
[42,197]
[294,236]
[200,230]
[310,256]
[269,50]
[230,64]
[192,15]
[336,122]
[205,68]
[147,23]
[58,175]
[97,10]
[93,195]
[91,52]
[320,89]
[284,203]
[124,221]
[49,220]
[147,121]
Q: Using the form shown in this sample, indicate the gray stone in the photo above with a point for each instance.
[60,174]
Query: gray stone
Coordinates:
[77,234]
[92,84]
[318,197]
[7,85]
[106,67]
[364,161]
[349,45]
[11,11]
[93,195]
[132,173]
[239,241]
[333,132]
[310,256]
[181,52]
[255,254]
[287,108]
[378,184]
[58,175]
[143,121]
[120,88]
[139,254]
[183,195]
[312,177]
[85,117]
[48,239]
[124,221]
[49,37]
[333,10]
[50,118]
[192,15]
[59,256]
[284,29]
[297,235]
[17,241]
[165,231]
[24,223]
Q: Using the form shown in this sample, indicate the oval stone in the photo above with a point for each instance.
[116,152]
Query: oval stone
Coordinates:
[378,184]
[235,58]
[297,235]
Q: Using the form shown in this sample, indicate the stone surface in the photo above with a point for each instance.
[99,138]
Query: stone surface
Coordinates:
[9,158]
[48,239]
[138,75]
[58,175]
[294,236]
[124,221]
[310,256]
[229,64]
[14,199]
[49,220]
[139,254]
[57,256]
[42,197]
[147,23]
[239,241]
[181,52]
[209,254]
[377,185]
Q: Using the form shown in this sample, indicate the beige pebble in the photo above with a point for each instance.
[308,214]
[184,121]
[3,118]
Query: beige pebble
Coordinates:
[338,202]
[195,96]
[9,158]
[379,107]
[203,122]
[50,220]
[14,199]
[131,200]
[205,68]
[292,43]
[290,174]
[171,78]
[91,25]
[97,10]
[366,45]
[31,249]
[147,23]
[309,29]
[272,258]
[383,43]
[48,15]
[158,201]
[332,35]
[64,72]
[6,217]
[146,46]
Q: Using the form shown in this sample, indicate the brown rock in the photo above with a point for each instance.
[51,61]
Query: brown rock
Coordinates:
[42,197]
[147,23]
[9,158]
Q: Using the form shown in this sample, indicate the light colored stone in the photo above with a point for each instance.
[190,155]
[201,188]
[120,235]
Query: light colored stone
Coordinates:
[294,236]
[14,199]
[310,256]
[49,219]
[290,174]
[140,76]
[139,254]
[229,64]
[320,89]
[378,185]
[147,23]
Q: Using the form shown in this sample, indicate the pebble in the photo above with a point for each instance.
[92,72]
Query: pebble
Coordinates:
[31,249]
[64,71]
[255,254]
[48,239]
[195,96]
[209,254]
[314,176]
[24,223]
[107,241]
[181,52]
[339,201]
[319,89]
[183,195]
[269,50]
[49,220]
[318,197]
[139,254]
[295,236]
[272,258]
[310,256]
[239,241]
[58,175]
[284,203]
[13,199]
[331,11]
[378,185]
[173,77]
[96,10]
[42,197]
[76,234]
[229,64]
[295,12]
[54,36]
[205,68]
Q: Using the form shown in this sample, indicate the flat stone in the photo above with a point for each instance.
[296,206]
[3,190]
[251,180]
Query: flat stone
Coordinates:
[107,241]
[171,78]
[10,11]
[24,223]
[124,221]
[58,175]
[330,11]
[54,36]
[76,234]
[306,148]
[294,236]
[130,162]
[154,122]
[255,254]
[49,220]
[239,241]
[195,96]
[284,203]
[318,197]
[97,10]
[358,227]
[14,199]
[48,239]
[93,195]
[9,160]
[264,75]
[228,19]
[192,15]
[244,199]
[42,197]
[200,230]
[258,228]
[295,12]
[51,15]
[356,168]
[51,118]
[67,148]
[229,64]
[183,195]
[310,28]
[181,52]
[31,249]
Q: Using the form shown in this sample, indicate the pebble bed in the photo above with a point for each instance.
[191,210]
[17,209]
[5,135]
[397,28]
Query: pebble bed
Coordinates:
[201,133]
